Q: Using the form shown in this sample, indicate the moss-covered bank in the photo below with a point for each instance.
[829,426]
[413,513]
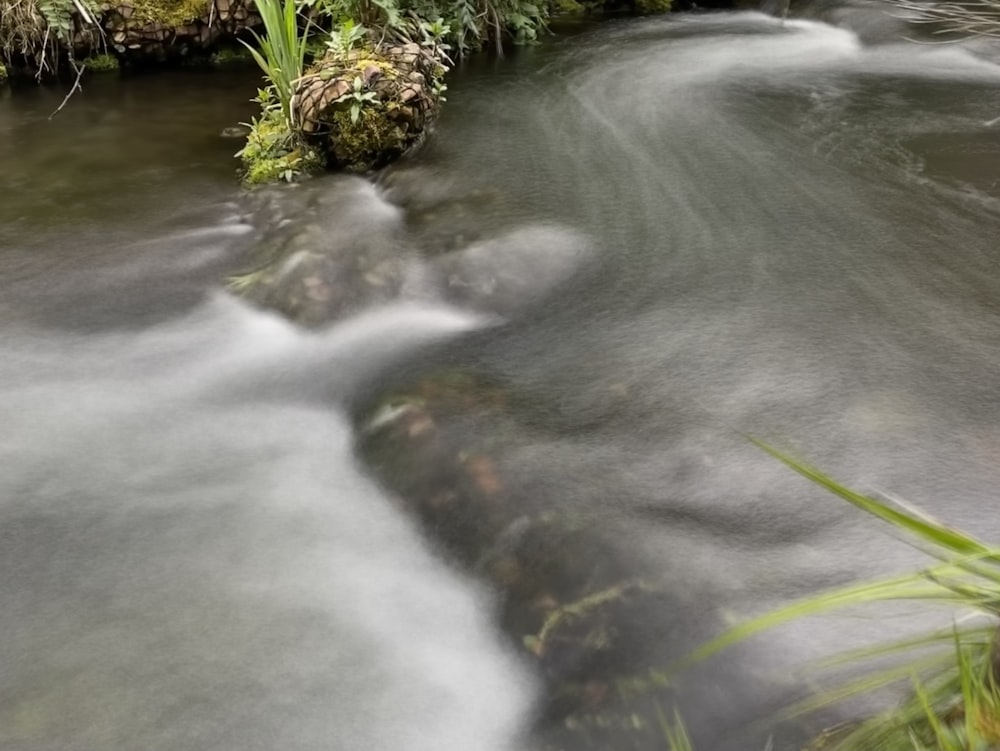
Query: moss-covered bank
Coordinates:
[40,38]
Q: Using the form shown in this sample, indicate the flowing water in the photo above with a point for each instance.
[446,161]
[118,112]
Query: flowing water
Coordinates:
[692,228]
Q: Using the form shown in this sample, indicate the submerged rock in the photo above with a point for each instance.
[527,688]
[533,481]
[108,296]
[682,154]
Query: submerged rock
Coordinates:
[583,609]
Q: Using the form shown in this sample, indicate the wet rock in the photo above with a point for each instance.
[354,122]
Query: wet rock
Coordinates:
[346,248]
[325,253]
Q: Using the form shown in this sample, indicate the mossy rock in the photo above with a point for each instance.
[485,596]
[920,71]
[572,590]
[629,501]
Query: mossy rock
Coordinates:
[367,107]
[169,13]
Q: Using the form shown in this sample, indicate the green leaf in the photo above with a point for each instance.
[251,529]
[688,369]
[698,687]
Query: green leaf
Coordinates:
[933,532]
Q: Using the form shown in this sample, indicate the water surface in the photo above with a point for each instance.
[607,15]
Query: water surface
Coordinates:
[787,230]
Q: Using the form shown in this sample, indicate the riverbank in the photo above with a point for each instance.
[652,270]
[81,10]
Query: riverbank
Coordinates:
[54,40]
[349,85]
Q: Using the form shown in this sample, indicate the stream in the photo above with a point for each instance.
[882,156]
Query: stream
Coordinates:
[680,231]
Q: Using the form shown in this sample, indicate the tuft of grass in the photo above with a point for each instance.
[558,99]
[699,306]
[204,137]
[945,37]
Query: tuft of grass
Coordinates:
[674,732]
[955,701]
[281,51]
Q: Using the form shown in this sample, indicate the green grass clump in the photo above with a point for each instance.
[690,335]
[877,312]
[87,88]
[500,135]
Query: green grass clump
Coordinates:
[102,63]
[273,153]
[955,701]
[35,32]
[281,51]
[674,732]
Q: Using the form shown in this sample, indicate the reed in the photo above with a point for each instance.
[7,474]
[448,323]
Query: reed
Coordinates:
[281,51]
[954,704]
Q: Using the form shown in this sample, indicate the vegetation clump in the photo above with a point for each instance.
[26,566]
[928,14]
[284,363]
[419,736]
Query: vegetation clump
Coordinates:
[273,152]
[35,34]
[168,13]
[954,704]
[376,81]
[46,38]
[367,106]
[104,63]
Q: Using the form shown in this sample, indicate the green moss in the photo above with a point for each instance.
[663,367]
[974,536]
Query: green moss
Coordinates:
[369,141]
[170,12]
[232,56]
[273,154]
[653,6]
[566,7]
[3,74]
[101,63]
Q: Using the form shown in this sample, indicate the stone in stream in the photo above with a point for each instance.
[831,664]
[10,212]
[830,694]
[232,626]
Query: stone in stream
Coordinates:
[321,256]
[346,248]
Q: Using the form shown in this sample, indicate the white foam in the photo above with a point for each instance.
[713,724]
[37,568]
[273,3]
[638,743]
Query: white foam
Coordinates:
[182,571]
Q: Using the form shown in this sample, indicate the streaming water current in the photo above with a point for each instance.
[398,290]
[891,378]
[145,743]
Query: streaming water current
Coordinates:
[700,227]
